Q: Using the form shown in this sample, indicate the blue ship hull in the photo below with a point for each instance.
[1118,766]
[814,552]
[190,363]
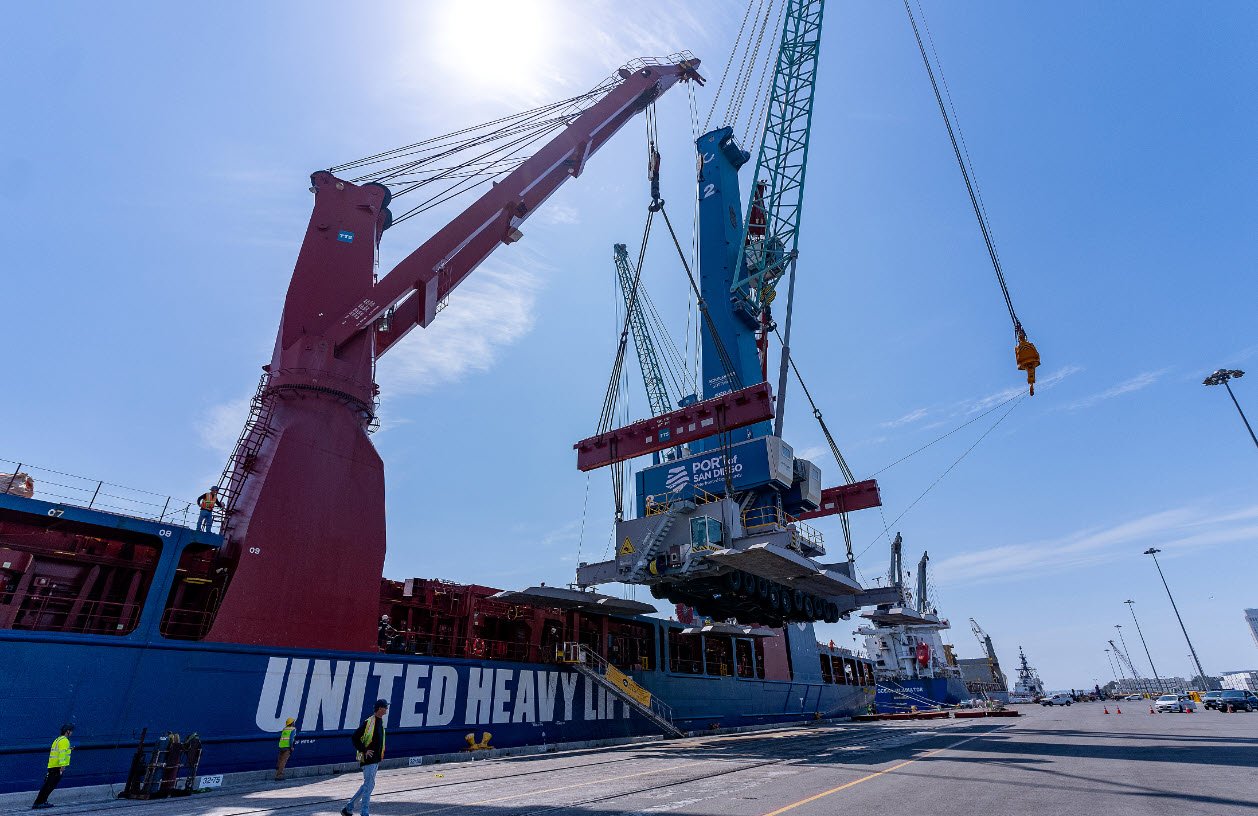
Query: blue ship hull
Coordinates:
[895,696]
[237,698]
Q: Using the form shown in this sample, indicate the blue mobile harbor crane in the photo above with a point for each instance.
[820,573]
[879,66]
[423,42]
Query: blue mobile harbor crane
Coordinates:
[741,549]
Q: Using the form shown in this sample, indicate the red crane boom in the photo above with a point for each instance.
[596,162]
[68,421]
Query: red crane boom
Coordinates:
[304,491]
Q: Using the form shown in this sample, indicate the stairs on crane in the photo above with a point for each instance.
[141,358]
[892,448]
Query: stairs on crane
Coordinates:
[651,544]
[244,455]
[592,665]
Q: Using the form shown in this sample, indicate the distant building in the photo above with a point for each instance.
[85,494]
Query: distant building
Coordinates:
[1241,680]
[1251,617]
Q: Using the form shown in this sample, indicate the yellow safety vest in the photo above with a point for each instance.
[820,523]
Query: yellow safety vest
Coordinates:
[207,501]
[286,738]
[369,732]
[59,756]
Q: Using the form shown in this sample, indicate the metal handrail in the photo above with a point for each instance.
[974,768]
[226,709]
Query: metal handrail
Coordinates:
[93,494]
[580,654]
[661,503]
[770,517]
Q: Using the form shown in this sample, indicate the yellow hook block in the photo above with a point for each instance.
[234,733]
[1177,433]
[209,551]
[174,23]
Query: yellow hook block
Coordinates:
[1028,357]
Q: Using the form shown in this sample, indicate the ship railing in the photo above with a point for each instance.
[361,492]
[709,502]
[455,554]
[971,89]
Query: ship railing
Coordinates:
[38,610]
[759,519]
[58,487]
[583,657]
[660,503]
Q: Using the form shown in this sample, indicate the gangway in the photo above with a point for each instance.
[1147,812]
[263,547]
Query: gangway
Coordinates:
[592,665]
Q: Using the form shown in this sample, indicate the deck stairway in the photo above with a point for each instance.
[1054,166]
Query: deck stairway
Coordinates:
[592,665]
[244,456]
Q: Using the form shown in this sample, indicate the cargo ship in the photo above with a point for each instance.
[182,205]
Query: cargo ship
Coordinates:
[106,622]
[912,665]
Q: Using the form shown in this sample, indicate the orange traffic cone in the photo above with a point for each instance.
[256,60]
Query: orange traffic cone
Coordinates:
[1189,709]
[1106,709]
[1150,709]
[1117,710]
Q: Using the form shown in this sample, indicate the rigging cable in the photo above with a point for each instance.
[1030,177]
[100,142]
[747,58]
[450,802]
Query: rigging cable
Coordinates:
[941,476]
[1025,353]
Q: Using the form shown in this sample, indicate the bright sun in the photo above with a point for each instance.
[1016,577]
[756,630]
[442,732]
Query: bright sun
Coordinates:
[494,43]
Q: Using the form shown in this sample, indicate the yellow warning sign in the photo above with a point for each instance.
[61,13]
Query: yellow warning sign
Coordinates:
[626,547]
[630,688]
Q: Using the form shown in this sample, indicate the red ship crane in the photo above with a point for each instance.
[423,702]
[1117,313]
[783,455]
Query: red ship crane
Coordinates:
[305,487]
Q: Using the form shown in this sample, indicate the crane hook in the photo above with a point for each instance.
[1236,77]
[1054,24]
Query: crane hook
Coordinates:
[1027,357]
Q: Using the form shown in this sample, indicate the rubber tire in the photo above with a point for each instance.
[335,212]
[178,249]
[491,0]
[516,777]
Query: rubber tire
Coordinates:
[834,613]
[762,588]
[797,600]
[785,604]
[734,581]
[774,600]
[660,591]
[810,609]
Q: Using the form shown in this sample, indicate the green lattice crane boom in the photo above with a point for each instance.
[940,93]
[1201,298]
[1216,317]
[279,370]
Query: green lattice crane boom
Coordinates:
[777,195]
[648,360]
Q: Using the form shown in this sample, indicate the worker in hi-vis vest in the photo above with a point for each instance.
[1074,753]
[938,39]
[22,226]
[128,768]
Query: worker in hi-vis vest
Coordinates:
[288,735]
[58,761]
[369,745]
[208,502]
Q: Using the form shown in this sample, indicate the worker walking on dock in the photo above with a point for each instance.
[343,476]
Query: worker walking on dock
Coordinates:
[369,743]
[208,502]
[58,761]
[287,736]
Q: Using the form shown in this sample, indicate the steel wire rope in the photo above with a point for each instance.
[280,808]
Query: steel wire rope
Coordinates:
[383,175]
[530,135]
[941,476]
[762,101]
[968,422]
[385,155]
[965,175]
[729,62]
[454,190]
[844,522]
[753,59]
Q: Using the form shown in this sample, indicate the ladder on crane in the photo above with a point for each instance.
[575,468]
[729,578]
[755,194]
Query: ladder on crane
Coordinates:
[592,665]
[244,458]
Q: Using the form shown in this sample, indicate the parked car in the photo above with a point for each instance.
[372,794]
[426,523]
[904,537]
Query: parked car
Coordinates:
[1057,699]
[1174,702]
[1211,699]
[1136,697]
[1236,700]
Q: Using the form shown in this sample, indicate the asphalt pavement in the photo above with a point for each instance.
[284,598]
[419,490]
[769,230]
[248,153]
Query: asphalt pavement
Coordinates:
[1056,761]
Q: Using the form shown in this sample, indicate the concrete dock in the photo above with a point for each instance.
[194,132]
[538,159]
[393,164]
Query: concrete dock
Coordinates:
[1050,761]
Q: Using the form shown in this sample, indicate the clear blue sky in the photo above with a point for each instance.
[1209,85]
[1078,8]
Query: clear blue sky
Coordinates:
[155,160]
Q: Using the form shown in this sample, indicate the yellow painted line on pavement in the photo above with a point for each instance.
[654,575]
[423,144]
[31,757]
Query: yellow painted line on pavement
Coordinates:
[856,782]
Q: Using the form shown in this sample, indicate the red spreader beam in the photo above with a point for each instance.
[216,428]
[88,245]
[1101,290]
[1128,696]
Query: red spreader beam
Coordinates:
[736,409]
[846,498]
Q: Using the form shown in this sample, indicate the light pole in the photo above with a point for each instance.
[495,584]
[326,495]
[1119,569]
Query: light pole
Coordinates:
[1110,659]
[1132,606]
[1153,551]
[1221,377]
[1136,672]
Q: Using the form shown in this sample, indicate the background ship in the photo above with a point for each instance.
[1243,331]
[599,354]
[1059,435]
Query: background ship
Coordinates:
[913,667]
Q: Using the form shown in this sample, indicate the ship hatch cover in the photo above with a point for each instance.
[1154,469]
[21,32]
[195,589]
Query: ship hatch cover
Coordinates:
[899,615]
[734,629]
[562,598]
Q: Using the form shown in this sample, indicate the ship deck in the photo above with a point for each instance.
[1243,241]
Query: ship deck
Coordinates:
[1058,760]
